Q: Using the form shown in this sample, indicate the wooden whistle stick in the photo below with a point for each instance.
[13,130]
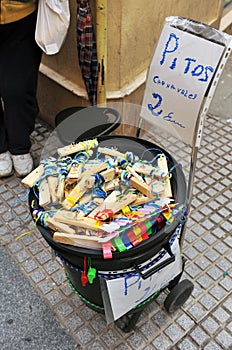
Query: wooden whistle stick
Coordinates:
[60,190]
[123,202]
[162,163]
[106,204]
[90,167]
[112,185]
[147,169]
[141,186]
[77,240]
[44,193]
[71,218]
[134,173]
[108,175]
[110,152]
[31,179]
[114,202]
[81,146]
[79,189]
[59,226]
[52,184]
[75,171]
[141,200]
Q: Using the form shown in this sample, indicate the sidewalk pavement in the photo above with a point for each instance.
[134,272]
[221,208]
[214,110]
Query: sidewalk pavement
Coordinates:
[40,311]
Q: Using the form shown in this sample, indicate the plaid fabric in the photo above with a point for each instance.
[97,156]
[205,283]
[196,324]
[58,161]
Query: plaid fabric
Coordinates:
[87,51]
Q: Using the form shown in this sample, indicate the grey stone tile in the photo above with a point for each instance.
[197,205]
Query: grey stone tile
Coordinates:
[174,332]
[221,315]
[187,344]
[202,262]
[98,323]
[204,281]
[22,256]
[212,255]
[148,329]
[207,301]
[199,336]
[210,325]
[64,309]
[160,318]
[96,345]
[223,264]
[217,292]
[15,247]
[74,322]
[185,322]
[215,273]
[46,286]
[228,304]
[226,283]
[213,346]
[29,265]
[54,297]
[200,246]
[84,335]
[224,339]
[161,343]
[136,341]
[196,312]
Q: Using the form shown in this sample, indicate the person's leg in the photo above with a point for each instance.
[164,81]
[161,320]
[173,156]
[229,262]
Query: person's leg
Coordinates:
[6,166]
[20,62]
[3,140]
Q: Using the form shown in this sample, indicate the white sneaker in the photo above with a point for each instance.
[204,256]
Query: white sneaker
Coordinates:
[23,164]
[6,166]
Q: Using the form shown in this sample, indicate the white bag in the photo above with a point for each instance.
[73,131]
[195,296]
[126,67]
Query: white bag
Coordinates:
[52,24]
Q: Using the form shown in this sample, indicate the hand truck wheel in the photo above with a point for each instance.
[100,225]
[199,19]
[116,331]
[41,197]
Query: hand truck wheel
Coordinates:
[178,296]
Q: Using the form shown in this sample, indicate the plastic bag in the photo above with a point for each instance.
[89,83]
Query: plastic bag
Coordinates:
[52,25]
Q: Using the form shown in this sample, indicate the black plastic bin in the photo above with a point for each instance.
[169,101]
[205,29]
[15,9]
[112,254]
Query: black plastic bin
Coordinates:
[72,257]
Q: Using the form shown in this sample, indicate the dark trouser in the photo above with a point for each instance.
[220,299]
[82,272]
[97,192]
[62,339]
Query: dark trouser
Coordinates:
[20,57]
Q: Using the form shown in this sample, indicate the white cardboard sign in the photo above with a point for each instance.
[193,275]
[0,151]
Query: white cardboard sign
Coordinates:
[127,292]
[180,72]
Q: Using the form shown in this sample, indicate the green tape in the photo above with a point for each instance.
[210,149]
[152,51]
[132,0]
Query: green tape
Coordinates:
[119,244]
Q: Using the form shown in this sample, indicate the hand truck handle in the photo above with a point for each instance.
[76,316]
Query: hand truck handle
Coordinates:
[159,266]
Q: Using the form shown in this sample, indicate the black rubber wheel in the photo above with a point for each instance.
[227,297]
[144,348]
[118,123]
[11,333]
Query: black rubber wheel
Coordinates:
[178,296]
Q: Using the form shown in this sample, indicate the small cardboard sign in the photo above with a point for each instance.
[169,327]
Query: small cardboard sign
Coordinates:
[127,292]
[181,70]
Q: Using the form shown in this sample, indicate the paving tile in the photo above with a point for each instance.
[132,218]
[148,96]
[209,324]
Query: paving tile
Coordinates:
[74,322]
[228,304]
[196,312]
[224,339]
[37,276]
[64,309]
[174,332]
[161,343]
[226,283]
[54,297]
[22,256]
[185,322]
[221,315]
[215,273]
[187,344]
[84,335]
[217,292]
[207,301]
[199,336]
[95,345]
[160,318]
[213,346]
[210,325]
